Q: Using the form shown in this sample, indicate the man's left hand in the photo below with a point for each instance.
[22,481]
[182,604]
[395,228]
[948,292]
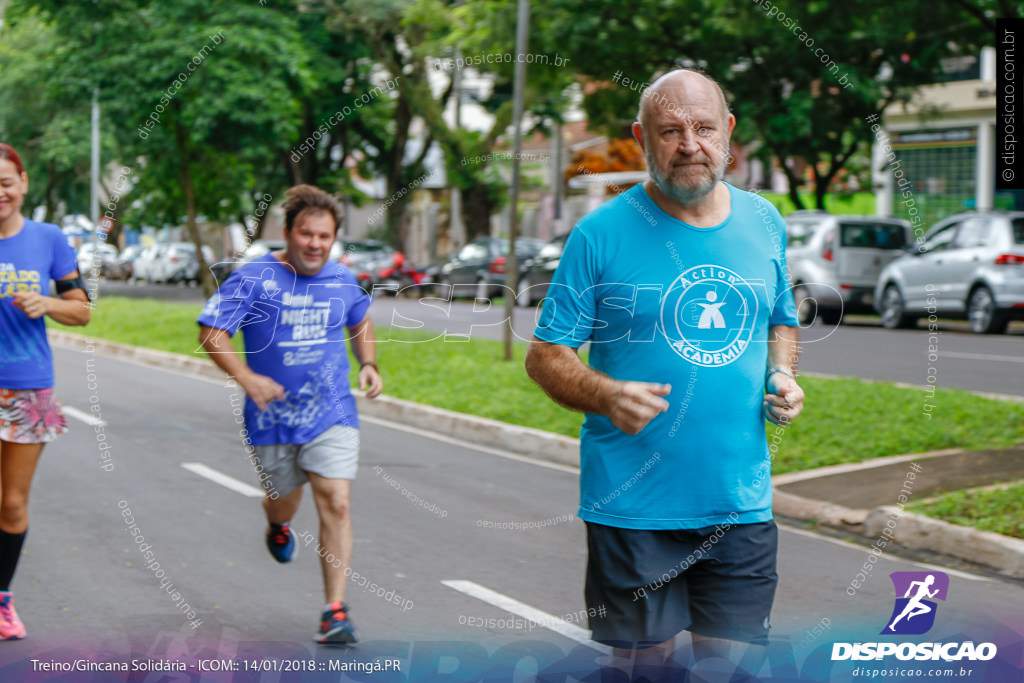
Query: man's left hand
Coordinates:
[785,400]
[370,381]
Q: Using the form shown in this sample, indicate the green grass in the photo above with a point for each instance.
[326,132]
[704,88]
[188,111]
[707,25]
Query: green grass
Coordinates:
[846,420]
[164,325]
[998,511]
[857,204]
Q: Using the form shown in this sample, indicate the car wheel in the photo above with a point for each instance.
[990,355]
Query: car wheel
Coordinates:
[894,310]
[445,289]
[985,318]
[806,306]
[524,299]
[830,316]
[483,290]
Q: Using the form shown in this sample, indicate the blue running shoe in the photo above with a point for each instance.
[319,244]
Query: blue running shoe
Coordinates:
[336,628]
[281,543]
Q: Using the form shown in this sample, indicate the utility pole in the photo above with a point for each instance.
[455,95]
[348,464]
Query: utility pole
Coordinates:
[94,180]
[519,88]
[456,228]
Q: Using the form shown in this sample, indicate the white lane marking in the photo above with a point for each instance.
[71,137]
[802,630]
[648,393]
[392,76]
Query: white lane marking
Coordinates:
[541,618]
[860,548]
[981,356]
[83,416]
[466,444]
[223,479]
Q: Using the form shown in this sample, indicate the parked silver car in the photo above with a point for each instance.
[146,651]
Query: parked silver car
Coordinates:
[95,255]
[970,265]
[144,265]
[178,263]
[834,261]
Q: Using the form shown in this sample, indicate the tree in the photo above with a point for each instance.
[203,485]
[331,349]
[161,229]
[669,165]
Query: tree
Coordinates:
[200,98]
[38,120]
[800,106]
[485,28]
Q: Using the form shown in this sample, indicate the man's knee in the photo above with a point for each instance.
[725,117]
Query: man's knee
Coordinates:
[337,506]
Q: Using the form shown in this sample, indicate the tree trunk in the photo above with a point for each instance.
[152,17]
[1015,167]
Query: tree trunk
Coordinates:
[794,184]
[476,212]
[188,187]
[395,214]
[821,185]
[52,179]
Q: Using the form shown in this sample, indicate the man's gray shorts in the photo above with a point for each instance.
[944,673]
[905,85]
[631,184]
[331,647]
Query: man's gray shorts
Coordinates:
[334,454]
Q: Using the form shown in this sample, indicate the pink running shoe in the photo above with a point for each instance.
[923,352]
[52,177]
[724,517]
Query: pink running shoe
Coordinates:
[11,627]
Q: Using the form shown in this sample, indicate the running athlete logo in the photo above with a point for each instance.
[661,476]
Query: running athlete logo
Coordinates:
[914,613]
[708,315]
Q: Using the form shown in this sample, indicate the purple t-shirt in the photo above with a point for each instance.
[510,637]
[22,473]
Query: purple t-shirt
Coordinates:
[294,329]
[29,259]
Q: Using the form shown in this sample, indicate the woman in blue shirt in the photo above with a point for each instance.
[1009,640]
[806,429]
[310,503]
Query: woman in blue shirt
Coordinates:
[31,254]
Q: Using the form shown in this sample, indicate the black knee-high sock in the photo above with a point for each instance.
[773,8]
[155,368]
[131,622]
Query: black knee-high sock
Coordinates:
[10,552]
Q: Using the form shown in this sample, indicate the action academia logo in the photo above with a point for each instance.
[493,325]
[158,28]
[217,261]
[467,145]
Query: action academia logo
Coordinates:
[914,613]
[708,315]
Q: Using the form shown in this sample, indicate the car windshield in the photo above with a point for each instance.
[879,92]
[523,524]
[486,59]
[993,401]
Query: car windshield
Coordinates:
[873,235]
[1018,230]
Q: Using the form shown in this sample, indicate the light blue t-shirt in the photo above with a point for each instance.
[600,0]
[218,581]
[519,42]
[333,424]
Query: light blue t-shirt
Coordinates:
[29,259]
[663,301]
[295,333]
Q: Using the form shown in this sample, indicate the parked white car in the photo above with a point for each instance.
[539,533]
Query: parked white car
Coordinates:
[144,265]
[834,261]
[177,262]
[970,265]
[95,255]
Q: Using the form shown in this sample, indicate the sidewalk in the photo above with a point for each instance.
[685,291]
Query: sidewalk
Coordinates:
[858,497]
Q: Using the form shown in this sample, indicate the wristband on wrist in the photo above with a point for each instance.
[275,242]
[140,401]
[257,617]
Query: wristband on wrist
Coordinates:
[369,362]
[784,371]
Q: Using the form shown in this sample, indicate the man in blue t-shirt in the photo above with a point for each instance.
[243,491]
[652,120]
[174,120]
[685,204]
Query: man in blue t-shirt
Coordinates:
[681,287]
[295,307]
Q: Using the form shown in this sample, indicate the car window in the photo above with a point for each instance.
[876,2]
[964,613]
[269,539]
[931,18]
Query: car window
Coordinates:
[473,251]
[973,232]
[873,235]
[1018,230]
[553,250]
[941,238]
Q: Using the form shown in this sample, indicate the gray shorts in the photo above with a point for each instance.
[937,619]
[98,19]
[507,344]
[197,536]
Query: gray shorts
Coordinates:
[334,454]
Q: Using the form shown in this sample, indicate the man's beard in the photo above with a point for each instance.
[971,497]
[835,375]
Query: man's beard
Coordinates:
[684,195]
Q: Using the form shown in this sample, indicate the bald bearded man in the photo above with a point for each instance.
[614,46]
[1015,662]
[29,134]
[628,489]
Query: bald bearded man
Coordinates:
[680,285]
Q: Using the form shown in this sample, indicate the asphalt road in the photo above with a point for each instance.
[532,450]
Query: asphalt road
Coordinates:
[83,589]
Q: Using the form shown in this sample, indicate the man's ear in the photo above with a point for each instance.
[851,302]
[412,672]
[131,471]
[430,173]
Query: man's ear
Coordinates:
[638,134]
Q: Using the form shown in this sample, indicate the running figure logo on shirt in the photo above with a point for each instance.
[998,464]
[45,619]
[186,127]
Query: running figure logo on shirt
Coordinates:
[708,315]
[711,317]
[914,613]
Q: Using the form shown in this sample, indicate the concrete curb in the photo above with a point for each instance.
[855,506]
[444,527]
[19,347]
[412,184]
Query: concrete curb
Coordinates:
[1003,553]
[534,443]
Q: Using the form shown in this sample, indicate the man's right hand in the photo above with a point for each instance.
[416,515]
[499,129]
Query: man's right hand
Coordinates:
[261,389]
[634,404]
